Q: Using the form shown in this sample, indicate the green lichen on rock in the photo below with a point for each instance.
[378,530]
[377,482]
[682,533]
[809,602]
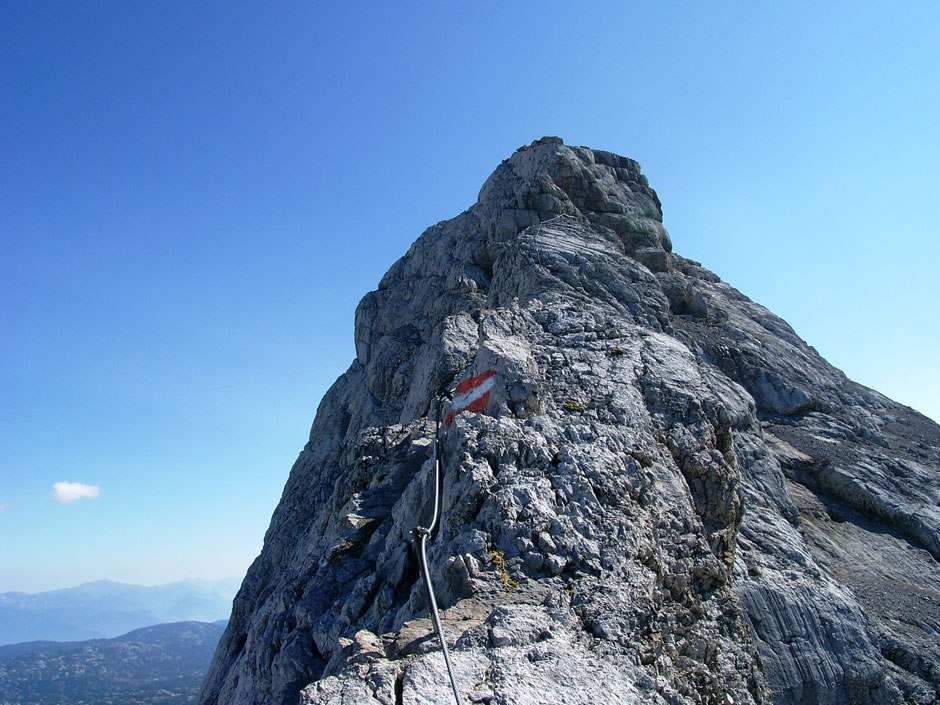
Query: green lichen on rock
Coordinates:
[499,560]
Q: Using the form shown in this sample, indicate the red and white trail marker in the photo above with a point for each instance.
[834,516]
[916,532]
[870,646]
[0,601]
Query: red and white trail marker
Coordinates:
[473,394]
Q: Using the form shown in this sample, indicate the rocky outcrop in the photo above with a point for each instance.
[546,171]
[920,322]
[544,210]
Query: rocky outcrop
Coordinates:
[670,497]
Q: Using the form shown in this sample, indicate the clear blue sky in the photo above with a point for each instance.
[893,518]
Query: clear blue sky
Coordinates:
[194,197]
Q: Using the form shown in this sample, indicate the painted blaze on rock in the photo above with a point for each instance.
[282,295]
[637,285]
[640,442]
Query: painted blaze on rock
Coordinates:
[471,395]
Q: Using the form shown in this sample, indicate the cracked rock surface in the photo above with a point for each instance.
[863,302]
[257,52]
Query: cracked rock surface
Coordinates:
[670,497]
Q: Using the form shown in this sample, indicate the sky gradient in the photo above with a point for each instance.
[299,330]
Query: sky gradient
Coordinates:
[195,196]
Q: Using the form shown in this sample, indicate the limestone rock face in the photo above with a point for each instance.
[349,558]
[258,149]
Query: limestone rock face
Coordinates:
[670,497]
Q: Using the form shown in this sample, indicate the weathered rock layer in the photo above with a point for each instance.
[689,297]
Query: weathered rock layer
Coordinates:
[670,497]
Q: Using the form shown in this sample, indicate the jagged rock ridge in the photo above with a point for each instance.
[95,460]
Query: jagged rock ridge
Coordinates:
[670,498]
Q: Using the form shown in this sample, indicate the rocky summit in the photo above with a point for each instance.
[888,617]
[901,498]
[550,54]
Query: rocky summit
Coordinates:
[667,497]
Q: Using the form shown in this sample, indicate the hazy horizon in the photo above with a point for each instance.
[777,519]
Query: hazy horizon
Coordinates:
[239,579]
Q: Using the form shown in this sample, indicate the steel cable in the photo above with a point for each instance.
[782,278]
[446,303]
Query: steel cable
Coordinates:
[421,536]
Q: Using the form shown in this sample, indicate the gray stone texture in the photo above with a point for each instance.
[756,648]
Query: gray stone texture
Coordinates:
[671,498]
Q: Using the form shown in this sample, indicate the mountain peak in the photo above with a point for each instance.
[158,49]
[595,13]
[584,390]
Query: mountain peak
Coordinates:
[549,178]
[661,494]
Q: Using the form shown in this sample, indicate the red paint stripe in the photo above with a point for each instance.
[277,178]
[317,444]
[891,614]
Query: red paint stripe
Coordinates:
[472,382]
[475,406]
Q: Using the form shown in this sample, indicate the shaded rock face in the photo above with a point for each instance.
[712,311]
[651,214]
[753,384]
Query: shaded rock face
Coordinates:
[670,497]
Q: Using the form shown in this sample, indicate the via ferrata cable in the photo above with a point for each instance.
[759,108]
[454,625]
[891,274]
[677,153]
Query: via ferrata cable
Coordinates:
[421,536]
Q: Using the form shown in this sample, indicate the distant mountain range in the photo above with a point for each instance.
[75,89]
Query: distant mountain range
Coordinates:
[159,665]
[105,609]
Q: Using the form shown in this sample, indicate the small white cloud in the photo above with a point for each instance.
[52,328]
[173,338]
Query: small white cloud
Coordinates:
[5,505]
[64,492]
